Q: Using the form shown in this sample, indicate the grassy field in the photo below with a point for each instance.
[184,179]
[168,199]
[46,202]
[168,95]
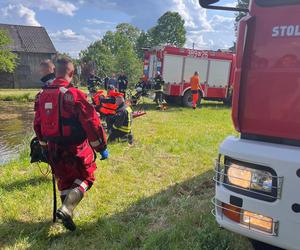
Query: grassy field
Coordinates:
[18,95]
[154,195]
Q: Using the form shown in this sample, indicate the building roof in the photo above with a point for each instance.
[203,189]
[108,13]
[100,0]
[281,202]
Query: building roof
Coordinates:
[30,39]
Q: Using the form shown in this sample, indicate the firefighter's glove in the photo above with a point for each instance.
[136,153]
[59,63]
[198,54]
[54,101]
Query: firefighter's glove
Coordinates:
[104,154]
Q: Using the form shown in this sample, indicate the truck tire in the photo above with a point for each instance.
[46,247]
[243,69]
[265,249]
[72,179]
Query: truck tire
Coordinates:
[258,245]
[228,101]
[187,99]
[169,99]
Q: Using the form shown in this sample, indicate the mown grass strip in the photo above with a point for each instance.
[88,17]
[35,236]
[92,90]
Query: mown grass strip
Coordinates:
[18,95]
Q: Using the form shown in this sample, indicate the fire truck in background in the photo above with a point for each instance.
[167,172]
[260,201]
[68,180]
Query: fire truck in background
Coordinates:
[258,173]
[177,66]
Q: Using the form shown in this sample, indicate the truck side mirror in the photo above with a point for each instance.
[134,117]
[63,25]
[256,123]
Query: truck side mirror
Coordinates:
[208,5]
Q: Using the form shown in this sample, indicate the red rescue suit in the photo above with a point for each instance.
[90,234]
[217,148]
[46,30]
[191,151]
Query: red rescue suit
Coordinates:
[69,126]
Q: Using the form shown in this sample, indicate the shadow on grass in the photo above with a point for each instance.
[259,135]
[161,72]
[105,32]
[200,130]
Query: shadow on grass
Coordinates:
[212,104]
[176,218]
[22,184]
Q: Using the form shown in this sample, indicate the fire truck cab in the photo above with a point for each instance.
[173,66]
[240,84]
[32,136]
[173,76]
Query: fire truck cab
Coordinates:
[177,66]
[258,173]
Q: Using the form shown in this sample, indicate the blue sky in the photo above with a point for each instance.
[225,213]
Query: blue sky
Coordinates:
[73,25]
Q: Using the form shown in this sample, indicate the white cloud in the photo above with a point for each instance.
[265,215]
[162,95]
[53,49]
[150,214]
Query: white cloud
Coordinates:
[193,14]
[62,7]
[95,34]
[69,41]
[59,6]
[222,23]
[233,4]
[19,14]
[202,30]
[98,21]
[67,36]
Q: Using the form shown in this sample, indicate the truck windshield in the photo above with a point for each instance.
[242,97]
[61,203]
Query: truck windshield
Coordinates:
[269,3]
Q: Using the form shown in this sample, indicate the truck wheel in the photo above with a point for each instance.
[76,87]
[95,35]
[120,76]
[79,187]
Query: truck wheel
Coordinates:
[168,99]
[199,99]
[187,99]
[258,245]
[228,101]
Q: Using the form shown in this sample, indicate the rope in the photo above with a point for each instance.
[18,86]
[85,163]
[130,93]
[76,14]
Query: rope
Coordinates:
[46,173]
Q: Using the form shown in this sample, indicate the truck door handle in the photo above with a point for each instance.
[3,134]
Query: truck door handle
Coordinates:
[296,208]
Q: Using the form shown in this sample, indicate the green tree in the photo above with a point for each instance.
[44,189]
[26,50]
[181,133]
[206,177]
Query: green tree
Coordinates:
[240,15]
[169,30]
[100,55]
[143,41]
[126,58]
[7,58]
[129,31]
[113,54]
[109,41]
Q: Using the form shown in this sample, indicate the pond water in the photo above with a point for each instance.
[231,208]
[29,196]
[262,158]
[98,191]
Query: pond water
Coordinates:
[15,128]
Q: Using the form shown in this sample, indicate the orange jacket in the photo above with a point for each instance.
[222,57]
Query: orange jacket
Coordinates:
[195,82]
[97,96]
[108,109]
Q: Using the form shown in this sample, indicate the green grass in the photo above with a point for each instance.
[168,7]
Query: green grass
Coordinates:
[154,195]
[18,95]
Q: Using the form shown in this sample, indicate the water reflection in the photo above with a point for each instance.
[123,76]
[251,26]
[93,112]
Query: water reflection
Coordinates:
[15,128]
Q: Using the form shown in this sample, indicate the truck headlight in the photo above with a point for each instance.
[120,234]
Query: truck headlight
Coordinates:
[249,178]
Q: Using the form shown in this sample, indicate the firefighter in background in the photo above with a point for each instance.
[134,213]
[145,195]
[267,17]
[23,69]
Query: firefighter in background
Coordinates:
[122,122]
[106,80]
[111,90]
[122,83]
[69,130]
[108,106]
[113,81]
[158,88]
[47,72]
[93,81]
[195,88]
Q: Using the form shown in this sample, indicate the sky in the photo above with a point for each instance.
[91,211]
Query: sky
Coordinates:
[73,25]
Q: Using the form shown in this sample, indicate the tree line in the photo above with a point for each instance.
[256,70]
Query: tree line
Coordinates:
[123,49]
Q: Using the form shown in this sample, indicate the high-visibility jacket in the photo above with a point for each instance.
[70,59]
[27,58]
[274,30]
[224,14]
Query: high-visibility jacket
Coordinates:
[122,121]
[64,116]
[108,105]
[97,96]
[195,82]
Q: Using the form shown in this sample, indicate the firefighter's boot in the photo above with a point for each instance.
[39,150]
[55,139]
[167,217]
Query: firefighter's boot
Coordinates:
[65,212]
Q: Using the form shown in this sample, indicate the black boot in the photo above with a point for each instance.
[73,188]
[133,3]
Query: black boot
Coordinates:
[130,139]
[65,212]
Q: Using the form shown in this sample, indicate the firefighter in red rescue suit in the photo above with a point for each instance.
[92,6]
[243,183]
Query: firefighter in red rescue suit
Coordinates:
[70,131]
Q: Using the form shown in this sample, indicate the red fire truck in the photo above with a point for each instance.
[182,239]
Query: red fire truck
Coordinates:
[258,173]
[177,66]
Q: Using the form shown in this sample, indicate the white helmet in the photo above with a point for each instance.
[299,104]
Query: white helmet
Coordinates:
[139,89]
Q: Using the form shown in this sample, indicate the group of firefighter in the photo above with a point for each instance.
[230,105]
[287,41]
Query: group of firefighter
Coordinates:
[69,132]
